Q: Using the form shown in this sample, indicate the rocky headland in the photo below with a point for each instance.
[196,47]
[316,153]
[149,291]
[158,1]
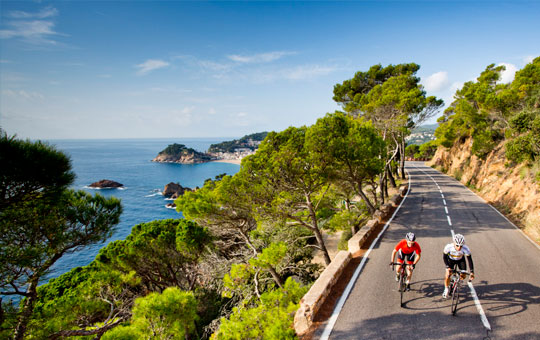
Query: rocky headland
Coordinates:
[106,184]
[179,153]
[233,150]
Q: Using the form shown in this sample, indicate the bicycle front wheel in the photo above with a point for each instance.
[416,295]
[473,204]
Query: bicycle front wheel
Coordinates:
[401,288]
[455,298]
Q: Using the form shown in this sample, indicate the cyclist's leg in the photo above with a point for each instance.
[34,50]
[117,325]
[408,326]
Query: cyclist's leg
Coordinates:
[410,260]
[462,266]
[399,259]
[452,265]
[448,273]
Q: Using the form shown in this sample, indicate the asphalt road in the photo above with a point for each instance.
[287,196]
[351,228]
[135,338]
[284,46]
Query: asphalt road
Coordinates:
[507,268]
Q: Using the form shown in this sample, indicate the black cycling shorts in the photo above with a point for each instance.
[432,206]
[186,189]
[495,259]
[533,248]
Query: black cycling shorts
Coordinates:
[409,258]
[460,263]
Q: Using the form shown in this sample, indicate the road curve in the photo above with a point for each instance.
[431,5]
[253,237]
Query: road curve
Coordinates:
[507,268]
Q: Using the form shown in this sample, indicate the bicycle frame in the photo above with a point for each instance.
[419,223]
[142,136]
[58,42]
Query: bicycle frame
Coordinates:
[455,282]
[402,279]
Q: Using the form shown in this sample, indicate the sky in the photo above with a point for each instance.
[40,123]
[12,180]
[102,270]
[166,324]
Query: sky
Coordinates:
[178,69]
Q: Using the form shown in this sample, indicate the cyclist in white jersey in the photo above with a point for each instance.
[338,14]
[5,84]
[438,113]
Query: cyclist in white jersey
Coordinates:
[455,254]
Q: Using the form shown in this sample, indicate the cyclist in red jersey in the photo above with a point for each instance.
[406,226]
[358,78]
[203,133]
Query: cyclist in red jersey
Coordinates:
[407,250]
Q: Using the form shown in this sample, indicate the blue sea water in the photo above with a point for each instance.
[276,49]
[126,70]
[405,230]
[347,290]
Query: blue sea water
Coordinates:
[128,161]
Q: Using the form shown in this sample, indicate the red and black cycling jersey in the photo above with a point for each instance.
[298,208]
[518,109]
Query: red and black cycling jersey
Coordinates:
[406,253]
[405,249]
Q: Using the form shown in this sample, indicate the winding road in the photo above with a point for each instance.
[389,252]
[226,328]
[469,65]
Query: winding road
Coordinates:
[503,302]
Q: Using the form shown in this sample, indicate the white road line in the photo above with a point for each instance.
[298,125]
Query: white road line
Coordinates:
[333,319]
[483,316]
[471,287]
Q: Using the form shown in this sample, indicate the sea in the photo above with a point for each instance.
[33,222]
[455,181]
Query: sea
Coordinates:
[128,161]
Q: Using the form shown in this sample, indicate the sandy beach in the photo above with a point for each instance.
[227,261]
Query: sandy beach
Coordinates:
[232,161]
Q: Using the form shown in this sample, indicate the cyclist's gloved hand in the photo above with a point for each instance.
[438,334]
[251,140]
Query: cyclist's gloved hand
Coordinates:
[472,277]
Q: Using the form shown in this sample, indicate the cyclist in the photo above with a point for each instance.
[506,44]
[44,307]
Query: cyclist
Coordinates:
[455,254]
[407,250]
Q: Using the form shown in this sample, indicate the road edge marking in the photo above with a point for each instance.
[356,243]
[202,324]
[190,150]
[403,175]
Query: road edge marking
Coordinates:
[483,316]
[341,302]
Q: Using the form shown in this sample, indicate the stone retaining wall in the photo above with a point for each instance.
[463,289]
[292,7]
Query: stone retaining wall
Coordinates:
[316,296]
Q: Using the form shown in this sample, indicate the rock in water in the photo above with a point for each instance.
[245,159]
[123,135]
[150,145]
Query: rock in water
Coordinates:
[106,184]
[173,190]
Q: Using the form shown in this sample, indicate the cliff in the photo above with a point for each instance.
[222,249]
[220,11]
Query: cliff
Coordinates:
[179,153]
[511,189]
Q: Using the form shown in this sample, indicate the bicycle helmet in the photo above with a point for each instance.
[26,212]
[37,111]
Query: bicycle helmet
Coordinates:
[410,237]
[459,239]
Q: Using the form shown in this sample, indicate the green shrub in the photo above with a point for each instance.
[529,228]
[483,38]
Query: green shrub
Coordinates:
[343,243]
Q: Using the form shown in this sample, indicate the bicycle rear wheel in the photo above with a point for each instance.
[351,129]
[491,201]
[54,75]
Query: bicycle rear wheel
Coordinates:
[455,297]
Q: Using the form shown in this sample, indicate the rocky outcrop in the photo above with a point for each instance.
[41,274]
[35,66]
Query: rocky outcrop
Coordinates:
[173,190]
[106,184]
[511,189]
[179,153]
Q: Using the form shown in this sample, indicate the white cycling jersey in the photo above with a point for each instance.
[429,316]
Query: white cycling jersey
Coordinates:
[454,254]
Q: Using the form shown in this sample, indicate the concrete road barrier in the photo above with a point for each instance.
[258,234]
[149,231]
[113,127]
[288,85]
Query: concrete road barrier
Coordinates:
[316,296]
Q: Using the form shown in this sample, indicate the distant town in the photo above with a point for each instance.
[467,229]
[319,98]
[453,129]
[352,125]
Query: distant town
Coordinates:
[422,134]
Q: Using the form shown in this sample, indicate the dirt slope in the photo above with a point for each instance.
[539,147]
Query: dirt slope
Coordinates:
[512,190]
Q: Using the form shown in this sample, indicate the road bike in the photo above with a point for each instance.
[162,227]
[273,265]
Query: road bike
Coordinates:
[455,282]
[402,279]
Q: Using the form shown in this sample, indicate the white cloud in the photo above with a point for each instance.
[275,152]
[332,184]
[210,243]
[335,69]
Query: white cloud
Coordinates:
[22,94]
[213,66]
[259,58]
[308,72]
[44,13]
[436,82]
[187,110]
[31,27]
[507,76]
[212,111]
[151,65]
[528,59]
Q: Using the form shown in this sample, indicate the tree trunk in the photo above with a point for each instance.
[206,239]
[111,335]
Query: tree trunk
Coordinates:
[276,276]
[28,308]
[382,185]
[391,177]
[402,161]
[320,241]
[315,228]
[366,200]
[353,227]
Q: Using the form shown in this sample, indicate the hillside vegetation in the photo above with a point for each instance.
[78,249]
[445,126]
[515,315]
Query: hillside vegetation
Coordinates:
[250,142]
[489,139]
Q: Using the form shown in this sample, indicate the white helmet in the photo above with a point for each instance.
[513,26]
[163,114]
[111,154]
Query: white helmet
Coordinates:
[410,237]
[459,239]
